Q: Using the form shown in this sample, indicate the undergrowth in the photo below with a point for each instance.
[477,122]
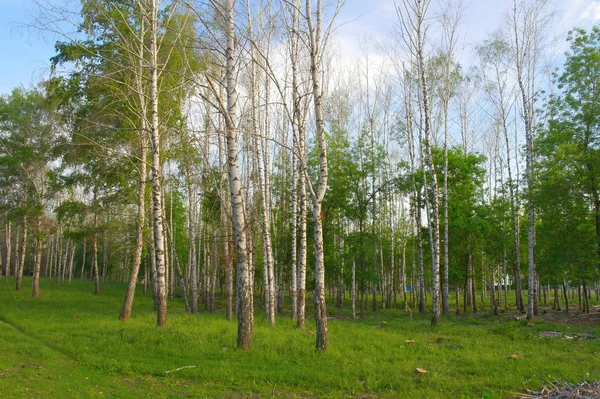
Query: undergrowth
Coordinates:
[70,343]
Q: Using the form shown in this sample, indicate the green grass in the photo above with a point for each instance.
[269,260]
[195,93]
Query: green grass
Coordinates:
[69,344]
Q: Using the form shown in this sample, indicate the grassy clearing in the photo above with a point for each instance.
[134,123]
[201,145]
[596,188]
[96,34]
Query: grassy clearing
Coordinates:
[69,343]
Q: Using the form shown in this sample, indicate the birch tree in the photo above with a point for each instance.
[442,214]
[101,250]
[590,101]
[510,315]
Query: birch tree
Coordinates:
[412,17]
[450,20]
[244,286]
[316,40]
[529,21]
[494,54]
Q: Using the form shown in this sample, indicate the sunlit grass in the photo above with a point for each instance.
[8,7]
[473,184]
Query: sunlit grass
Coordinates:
[69,343]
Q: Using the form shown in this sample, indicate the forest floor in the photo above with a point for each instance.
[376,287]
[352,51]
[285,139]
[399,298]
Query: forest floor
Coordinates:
[574,317]
[69,344]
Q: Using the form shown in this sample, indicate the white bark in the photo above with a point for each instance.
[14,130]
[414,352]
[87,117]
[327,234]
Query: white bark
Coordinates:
[71,260]
[157,193]
[353,293]
[7,239]
[300,126]
[37,259]
[244,287]
[528,24]
[95,253]
[318,194]
[21,261]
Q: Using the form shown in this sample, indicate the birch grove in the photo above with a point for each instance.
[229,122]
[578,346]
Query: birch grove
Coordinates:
[225,155]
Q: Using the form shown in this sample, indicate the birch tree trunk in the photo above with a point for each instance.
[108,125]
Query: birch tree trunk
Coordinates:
[50,258]
[353,293]
[262,174]
[104,249]
[64,260]
[515,226]
[140,221]
[83,253]
[2,269]
[244,286]
[21,262]
[71,261]
[191,241]
[445,285]
[297,169]
[157,195]
[294,255]
[314,31]
[37,259]
[421,9]
[226,229]
[95,253]
[529,21]
[266,198]
[302,242]
[7,240]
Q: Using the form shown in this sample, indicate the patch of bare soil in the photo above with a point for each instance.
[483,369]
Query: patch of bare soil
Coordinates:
[573,318]
[585,390]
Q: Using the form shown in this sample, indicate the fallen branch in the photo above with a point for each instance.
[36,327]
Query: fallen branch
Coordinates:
[180,368]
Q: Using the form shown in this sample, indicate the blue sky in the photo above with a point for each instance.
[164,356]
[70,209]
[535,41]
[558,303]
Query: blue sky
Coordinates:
[371,18]
[25,55]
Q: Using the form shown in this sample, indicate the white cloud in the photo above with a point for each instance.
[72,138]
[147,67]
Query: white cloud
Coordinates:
[592,12]
[582,12]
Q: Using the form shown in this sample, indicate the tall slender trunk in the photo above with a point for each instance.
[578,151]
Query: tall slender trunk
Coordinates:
[297,162]
[171,243]
[21,263]
[353,288]
[421,281]
[50,258]
[104,248]
[244,285]
[65,261]
[140,221]
[262,174]
[302,240]
[83,253]
[515,225]
[403,274]
[2,269]
[228,266]
[566,296]
[157,194]
[176,265]
[504,282]
[71,260]
[266,187]
[294,255]
[213,273]
[152,256]
[166,226]
[445,282]
[95,271]
[7,240]
[473,282]
[37,259]
[146,278]
[191,241]
[586,305]
[527,111]
[434,212]
[314,31]
[340,284]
